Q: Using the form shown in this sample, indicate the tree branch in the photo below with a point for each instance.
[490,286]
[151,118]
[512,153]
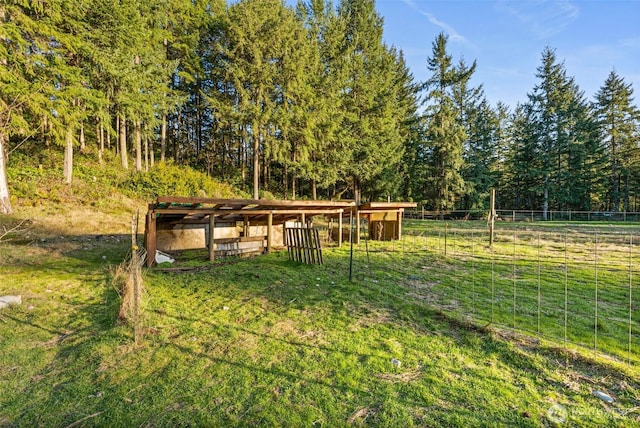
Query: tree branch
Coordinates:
[15,228]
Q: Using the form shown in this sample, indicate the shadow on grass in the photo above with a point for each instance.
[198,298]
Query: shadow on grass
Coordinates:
[68,312]
[87,340]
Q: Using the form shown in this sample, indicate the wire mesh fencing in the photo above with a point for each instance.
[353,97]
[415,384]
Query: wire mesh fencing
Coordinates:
[574,288]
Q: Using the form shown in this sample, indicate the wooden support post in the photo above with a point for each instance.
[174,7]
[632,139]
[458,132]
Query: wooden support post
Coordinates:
[287,240]
[356,237]
[340,229]
[298,244]
[399,229]
[304,235]
[151,237]
[318,246]
[269,231]
[212,242]
[246,231]
[303,220]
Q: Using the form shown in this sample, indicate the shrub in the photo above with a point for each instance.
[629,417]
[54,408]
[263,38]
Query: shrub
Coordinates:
[167,179]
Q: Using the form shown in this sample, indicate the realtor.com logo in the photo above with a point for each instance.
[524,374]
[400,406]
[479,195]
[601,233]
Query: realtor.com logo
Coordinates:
[558,414]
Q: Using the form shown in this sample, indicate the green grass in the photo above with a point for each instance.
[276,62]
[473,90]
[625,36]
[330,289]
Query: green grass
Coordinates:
[267,342]
[526,272]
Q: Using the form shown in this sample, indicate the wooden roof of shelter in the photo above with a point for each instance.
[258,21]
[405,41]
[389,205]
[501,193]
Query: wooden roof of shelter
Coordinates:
[385,206]
[379,207]
[189,210]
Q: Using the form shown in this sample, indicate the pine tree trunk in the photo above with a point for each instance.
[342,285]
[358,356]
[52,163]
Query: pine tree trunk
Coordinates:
[68,156]
[5,200]
[146,154]
[152,155]
[293,187]
[100,137]
[626,192]
[176,136]
[314,189]
[138,136]
[123,143]
[285,179]
[82,139]
[108,140]
[43,130]
[545,204]
[100,132]
[243,157]
[163,138]
[265,174]
[256,163]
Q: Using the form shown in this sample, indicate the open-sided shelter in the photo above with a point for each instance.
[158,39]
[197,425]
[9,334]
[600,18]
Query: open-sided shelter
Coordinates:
[239,226]
[384,220]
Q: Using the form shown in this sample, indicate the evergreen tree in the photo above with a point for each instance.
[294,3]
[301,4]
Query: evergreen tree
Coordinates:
[258,40]
[326,30]
[394,179]
[19,78]
[370,127]
[445,133]
[562,130]
[521,184]
[619,121]
[481,155]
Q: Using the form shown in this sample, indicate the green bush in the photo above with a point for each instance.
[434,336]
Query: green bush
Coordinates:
[37,177]
[167,179]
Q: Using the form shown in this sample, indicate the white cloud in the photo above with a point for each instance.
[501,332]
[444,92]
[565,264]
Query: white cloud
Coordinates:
[545,18]
[632,43]
[454,35]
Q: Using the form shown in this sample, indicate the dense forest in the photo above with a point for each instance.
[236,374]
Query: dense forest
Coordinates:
[302,102]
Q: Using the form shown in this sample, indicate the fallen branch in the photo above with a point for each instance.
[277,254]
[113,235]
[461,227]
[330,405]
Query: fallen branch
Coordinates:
[15,228]
[79,421]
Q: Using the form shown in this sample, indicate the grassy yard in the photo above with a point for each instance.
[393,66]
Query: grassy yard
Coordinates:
[267,342]
[573,282]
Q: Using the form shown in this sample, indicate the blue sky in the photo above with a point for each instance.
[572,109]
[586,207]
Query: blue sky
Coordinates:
[507,37]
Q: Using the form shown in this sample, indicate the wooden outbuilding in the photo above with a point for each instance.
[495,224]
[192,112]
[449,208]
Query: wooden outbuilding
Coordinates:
[243,226]
[239,226]
[384,219]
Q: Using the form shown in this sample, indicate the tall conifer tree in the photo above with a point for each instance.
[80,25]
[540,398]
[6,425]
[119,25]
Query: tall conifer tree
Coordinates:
[370,126]
[619,122]
[445,133]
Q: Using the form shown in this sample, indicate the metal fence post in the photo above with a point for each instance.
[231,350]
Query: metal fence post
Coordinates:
[566,291]
[539,284]
[513,260]
[630,296]
[595,324]
[493,296]
[473,277]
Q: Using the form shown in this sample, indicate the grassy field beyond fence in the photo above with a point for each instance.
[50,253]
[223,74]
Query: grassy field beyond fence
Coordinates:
[576,285]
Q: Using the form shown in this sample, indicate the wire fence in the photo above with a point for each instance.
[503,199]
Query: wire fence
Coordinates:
[526,215]
[574,288]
